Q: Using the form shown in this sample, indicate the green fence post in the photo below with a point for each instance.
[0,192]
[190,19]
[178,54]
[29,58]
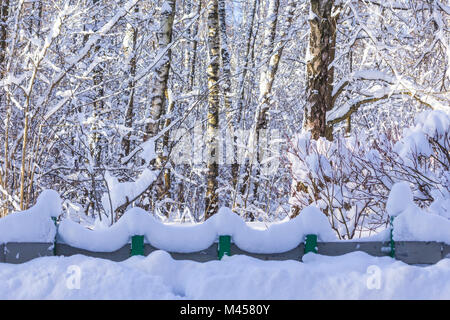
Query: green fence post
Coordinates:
[311,243]
[224,246]
[54,240]
[137,245]
[392,253]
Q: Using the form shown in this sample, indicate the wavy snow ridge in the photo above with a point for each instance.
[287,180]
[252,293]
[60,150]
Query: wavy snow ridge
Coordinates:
[277,238]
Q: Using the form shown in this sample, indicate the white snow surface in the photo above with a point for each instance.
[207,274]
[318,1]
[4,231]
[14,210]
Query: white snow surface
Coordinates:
[352,276]
[120,192]
[34,224]
[399,199]
[412,223]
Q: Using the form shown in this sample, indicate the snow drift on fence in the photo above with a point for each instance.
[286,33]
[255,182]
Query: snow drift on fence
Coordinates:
[34,224]
[178,238]
[410,222]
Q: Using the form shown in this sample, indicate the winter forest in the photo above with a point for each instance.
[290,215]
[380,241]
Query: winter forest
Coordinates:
[180,107]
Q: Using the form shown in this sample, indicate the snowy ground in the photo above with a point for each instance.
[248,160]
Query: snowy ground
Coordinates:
[352,276]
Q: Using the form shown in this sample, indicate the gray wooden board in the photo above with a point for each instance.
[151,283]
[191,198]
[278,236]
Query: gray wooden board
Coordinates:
[415,252]
[16,252]
[445,250]
[148,249]
[206,255]
[411,252]
[377,249]
[118,255]
[294,254]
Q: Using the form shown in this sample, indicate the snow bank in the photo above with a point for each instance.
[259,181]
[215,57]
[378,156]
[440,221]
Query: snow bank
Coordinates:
[34,224]
[414,224]
[411,222]
[158,276]
[277,238]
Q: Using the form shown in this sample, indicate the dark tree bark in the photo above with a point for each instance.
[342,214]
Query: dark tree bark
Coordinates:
[321,53]
[4,7]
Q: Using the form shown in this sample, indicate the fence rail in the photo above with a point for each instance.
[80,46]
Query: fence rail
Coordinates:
[410,252]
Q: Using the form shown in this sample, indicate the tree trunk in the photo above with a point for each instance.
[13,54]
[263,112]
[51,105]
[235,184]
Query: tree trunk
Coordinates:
[270,70]
[4,7]
[241,95]
[321,52]
[159,90]
[265,86]
[161,76]
[190,58]
[242,76]
[212,145]
[226,90]
[97,140]
[130,55]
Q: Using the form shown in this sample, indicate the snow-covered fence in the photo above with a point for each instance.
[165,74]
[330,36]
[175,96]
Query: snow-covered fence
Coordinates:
[411,252]
[420,238]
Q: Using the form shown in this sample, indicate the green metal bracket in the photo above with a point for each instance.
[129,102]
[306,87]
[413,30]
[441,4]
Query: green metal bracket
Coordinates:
[137,245]
[392,244]
[54,240]
[311,243]
[224,246]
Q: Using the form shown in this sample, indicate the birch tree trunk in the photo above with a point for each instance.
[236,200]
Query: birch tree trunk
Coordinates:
[265,85]
[241,94]
[130,55]
[212,145]
[161,76]
[159,91]
[320,74]
[226,90]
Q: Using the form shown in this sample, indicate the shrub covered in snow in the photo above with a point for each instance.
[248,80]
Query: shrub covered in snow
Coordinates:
[349,178]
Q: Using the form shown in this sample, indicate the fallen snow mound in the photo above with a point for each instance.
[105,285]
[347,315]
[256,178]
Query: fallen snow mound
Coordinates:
[158,276]
[412,223]
[34,224]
